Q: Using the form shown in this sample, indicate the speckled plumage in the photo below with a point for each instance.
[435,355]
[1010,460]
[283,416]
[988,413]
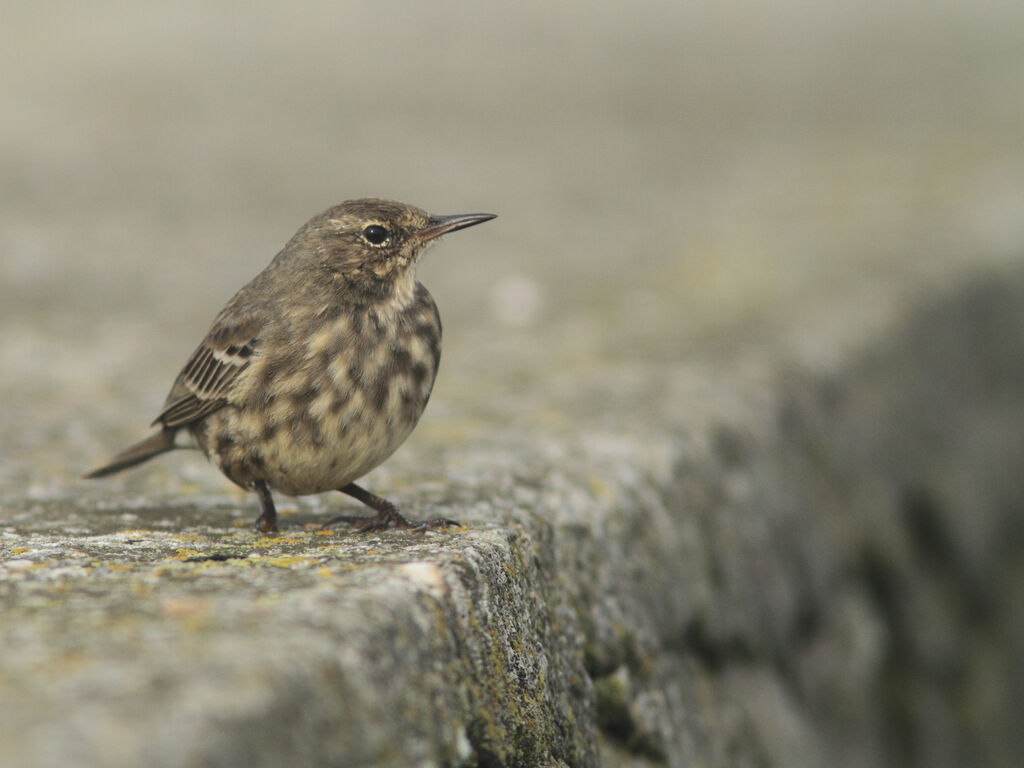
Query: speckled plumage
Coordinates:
[320,367]
[368,392]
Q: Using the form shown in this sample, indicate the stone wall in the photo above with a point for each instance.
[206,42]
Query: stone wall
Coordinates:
[799,564]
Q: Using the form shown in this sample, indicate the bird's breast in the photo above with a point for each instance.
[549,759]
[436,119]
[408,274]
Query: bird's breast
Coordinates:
[333,405]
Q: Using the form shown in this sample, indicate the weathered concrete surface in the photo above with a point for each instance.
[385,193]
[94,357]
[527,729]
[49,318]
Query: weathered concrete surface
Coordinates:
[798,565]
[730,401]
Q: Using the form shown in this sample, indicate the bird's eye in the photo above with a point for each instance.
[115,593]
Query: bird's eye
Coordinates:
[375,234]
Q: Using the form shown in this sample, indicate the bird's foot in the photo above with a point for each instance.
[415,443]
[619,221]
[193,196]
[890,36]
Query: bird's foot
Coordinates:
[265,524]
[385,519]
[387,514]
[267,521]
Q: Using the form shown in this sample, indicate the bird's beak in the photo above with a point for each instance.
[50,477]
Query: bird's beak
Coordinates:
[441,225]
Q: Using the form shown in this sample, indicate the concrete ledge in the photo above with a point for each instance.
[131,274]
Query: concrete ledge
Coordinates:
[800,558]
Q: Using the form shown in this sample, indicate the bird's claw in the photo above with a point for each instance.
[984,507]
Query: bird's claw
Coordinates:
[384,521]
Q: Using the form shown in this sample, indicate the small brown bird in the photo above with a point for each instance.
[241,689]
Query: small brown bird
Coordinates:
[319,368]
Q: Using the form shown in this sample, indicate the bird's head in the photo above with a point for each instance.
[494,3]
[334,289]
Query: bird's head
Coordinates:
[376,243]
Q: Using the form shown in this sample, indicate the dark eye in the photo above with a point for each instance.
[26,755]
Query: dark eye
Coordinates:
[375,234]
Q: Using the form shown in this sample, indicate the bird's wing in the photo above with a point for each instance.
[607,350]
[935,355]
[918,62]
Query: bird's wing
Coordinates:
[205,382]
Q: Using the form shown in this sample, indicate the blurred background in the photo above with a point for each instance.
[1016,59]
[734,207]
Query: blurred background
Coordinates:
[666,174]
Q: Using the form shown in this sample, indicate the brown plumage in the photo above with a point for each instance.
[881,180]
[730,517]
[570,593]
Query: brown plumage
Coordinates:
[319,368]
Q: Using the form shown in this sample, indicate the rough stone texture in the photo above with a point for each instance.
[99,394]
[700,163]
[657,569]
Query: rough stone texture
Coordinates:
[731,401]
[820,566]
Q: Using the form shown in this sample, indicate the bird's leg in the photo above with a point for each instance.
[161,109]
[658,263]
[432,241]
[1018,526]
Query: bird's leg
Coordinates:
[267,521]
[387,514]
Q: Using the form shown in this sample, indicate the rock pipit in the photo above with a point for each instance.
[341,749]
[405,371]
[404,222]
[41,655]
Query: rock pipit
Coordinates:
[319,368]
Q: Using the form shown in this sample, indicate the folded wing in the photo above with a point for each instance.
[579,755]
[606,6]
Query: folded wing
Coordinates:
[206,382]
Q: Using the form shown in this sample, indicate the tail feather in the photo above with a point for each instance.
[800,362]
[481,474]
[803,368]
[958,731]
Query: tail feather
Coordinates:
[144,450]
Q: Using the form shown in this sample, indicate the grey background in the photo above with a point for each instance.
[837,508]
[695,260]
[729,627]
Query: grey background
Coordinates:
[666,175]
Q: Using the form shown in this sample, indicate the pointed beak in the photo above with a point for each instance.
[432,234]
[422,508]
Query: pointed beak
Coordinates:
[442,225]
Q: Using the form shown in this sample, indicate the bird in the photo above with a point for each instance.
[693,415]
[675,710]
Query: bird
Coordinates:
[319,368]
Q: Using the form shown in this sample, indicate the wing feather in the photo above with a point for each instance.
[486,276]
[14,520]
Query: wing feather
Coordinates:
[206,381]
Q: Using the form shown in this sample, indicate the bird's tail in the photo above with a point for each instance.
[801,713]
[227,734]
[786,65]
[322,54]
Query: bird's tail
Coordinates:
[144,450]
